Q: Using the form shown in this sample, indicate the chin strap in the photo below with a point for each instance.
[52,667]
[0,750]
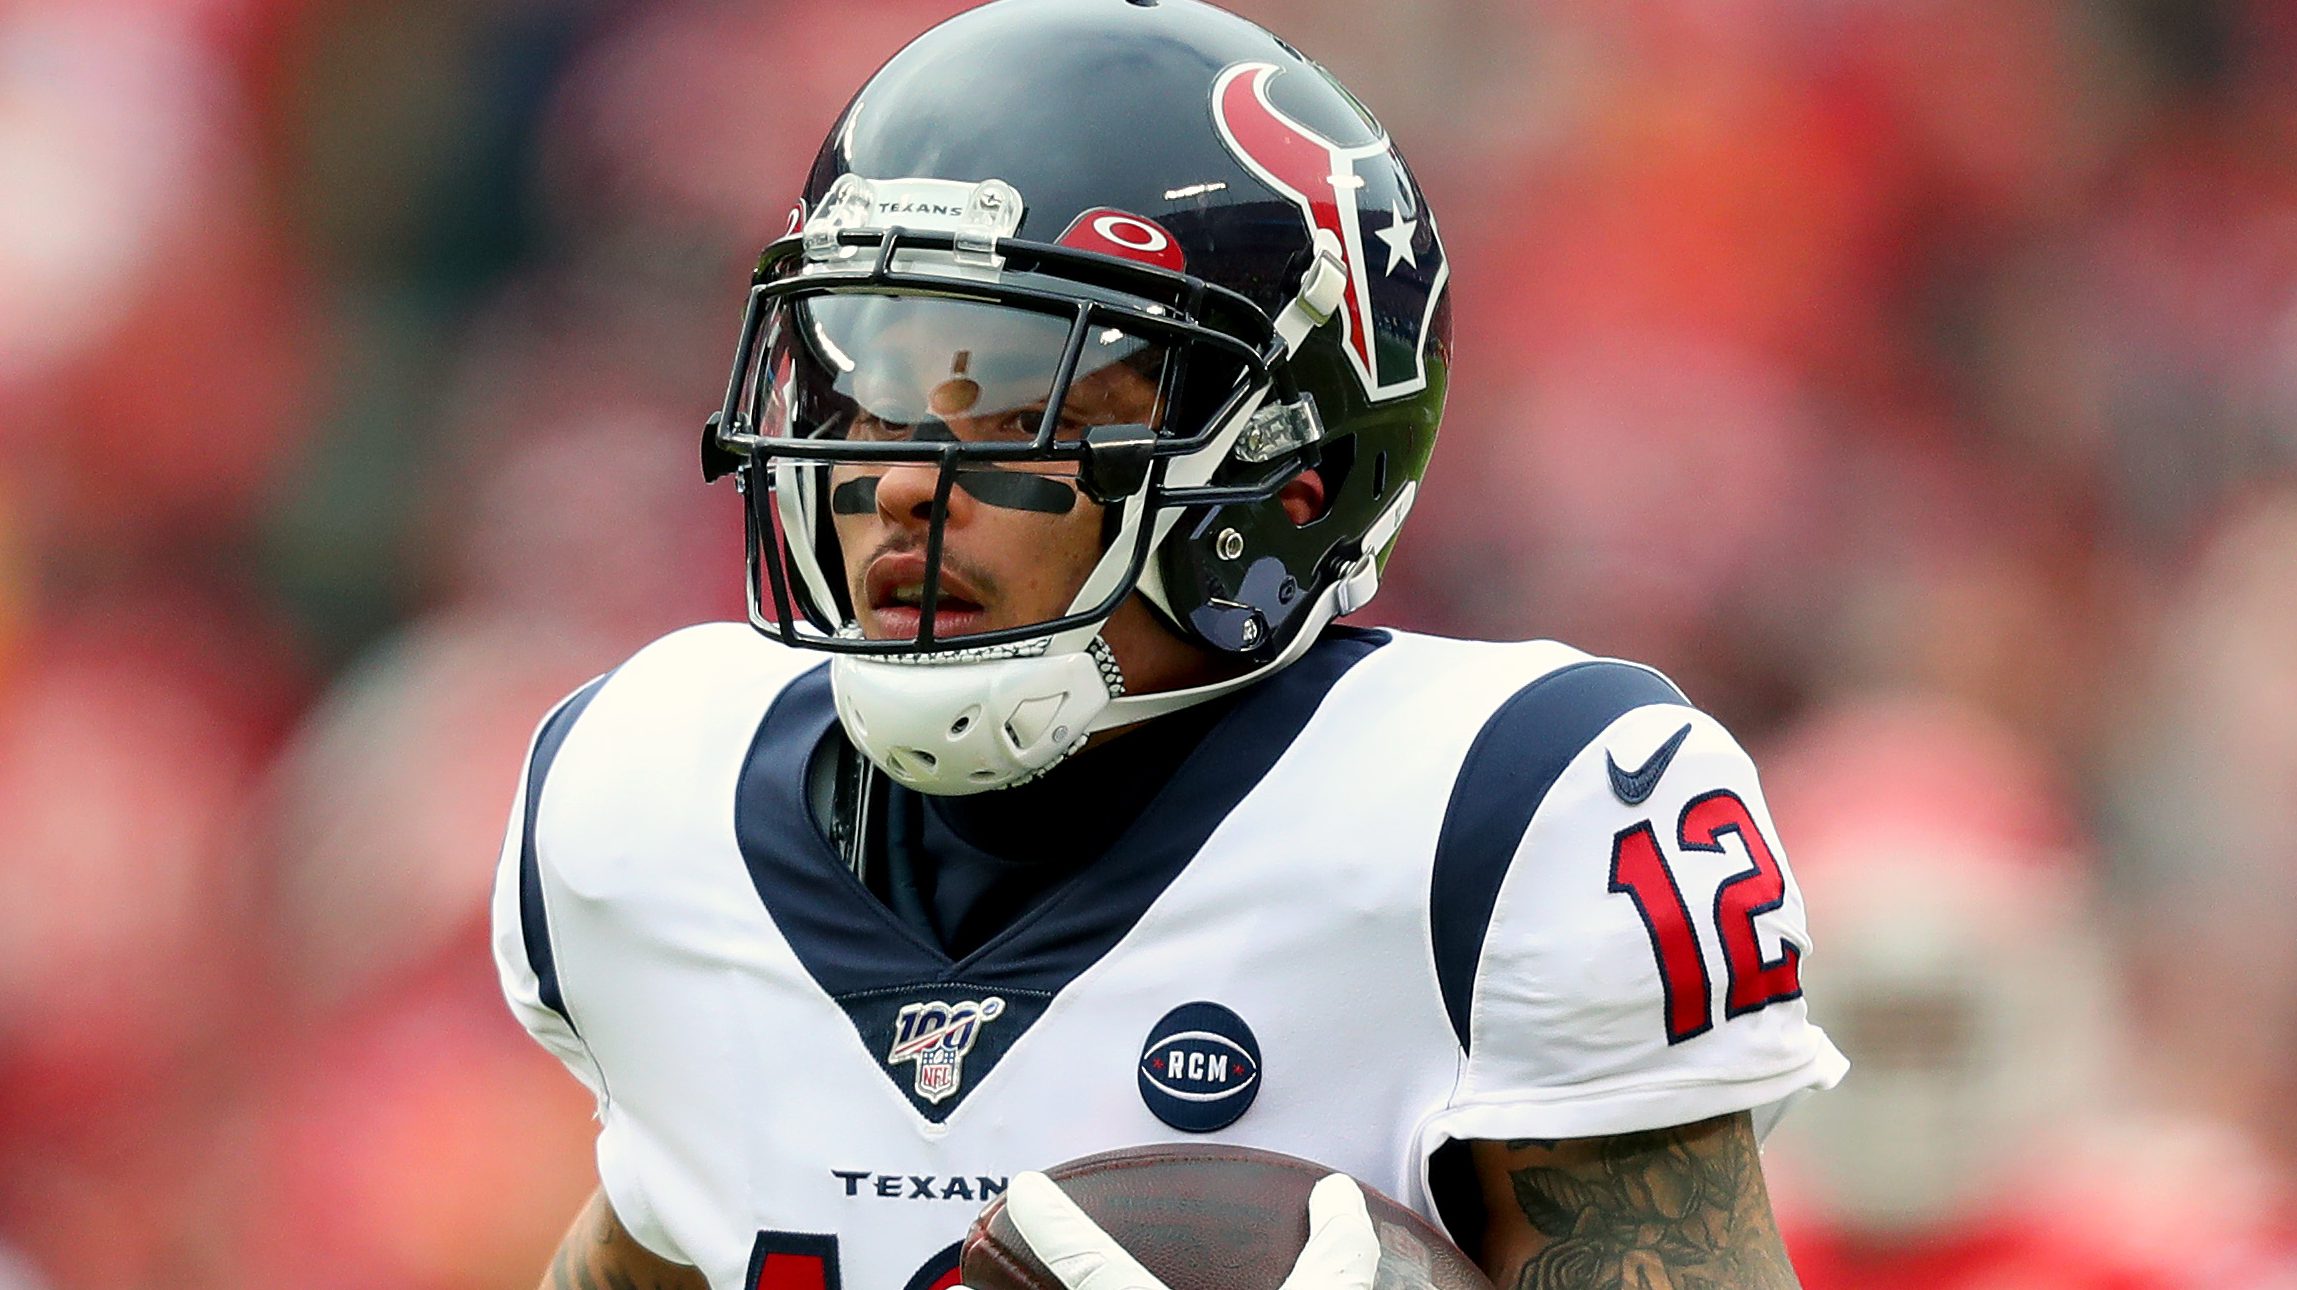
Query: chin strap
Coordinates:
[1356,588]
[1134,708]
[979,720]
[1321,290]
[1113,677]
[1347,594]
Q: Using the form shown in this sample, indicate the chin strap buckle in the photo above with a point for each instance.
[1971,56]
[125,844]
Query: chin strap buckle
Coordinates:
[1321,290]
[1358,585]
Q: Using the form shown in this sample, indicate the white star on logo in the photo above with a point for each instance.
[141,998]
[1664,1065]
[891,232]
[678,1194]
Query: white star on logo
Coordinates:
[1398,235]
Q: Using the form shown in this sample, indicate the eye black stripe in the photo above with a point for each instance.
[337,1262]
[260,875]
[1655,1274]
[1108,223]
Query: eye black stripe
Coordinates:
[1012,490]
[1018,490]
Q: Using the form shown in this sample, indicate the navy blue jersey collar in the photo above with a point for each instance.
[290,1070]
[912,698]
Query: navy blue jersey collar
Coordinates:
[849,941]
[879,969]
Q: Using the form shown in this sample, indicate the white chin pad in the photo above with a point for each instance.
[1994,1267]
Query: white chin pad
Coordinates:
[967,726]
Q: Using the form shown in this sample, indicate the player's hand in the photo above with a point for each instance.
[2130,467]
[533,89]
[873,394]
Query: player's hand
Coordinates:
[1342,1251]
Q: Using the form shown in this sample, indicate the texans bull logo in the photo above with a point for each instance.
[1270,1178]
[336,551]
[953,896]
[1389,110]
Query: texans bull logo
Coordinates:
[1396,269]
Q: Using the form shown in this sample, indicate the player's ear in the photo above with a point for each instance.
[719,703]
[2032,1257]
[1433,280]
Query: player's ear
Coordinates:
[1303,498]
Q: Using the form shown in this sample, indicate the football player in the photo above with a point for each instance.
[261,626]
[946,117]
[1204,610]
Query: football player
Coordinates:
[1042,808]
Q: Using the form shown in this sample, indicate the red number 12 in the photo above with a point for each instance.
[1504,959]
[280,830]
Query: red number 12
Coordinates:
[1639,870]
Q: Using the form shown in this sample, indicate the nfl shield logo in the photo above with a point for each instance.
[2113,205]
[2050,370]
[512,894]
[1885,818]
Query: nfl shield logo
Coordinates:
[936,1075]
[937,1036]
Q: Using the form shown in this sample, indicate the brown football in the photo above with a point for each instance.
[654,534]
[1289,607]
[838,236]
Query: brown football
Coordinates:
[1210,1217]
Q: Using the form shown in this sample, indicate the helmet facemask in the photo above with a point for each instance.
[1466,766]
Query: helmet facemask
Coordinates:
[957,465]
[985,513]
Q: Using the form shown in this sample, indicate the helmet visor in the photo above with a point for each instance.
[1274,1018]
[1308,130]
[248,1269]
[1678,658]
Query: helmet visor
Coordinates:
[937,465]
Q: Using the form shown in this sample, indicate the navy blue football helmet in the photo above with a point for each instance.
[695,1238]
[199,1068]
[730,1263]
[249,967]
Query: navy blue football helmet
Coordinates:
[1135,261]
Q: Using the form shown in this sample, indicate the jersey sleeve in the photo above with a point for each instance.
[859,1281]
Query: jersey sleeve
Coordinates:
[1627,945]
[526,959]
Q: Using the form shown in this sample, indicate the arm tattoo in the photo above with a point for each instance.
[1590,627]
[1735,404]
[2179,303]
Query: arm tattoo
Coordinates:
[600,1254]
[1671,1209]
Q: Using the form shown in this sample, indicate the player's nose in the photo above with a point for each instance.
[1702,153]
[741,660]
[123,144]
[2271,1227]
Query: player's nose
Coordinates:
[905,493]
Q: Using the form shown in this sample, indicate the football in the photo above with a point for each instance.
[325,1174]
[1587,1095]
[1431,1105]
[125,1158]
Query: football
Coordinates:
[1210,1217]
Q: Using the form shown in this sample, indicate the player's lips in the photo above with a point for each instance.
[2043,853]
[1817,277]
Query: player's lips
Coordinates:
[893,588]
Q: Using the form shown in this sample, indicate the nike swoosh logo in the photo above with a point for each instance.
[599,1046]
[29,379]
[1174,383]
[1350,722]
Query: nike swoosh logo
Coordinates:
[1634,786]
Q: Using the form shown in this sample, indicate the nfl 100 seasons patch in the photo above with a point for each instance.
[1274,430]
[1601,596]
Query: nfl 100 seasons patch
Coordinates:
[937,1035]
[938,1042]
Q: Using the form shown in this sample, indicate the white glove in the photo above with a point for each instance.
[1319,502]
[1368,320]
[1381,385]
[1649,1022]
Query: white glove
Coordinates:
[1342,1251]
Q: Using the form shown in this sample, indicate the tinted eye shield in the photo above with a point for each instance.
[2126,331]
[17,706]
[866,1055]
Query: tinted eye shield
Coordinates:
[1081,296]
[1191,318]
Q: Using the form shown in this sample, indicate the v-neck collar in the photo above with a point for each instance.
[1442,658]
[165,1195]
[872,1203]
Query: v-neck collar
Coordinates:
[874,965]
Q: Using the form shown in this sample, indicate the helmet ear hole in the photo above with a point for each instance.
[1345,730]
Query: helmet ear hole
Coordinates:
[1379,476]
[1304,498]
[1335,464]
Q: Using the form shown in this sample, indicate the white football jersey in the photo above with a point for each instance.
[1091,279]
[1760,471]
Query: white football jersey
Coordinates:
[1407,891]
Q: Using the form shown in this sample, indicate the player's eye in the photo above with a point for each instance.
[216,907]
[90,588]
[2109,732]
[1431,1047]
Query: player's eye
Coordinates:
[870,428]
[1021,423]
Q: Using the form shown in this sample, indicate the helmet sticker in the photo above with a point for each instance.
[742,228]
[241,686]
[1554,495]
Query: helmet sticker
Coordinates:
[1127,236]
[1337,190]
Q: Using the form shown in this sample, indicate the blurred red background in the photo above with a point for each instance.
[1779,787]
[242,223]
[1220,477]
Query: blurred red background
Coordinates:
[1915,382]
